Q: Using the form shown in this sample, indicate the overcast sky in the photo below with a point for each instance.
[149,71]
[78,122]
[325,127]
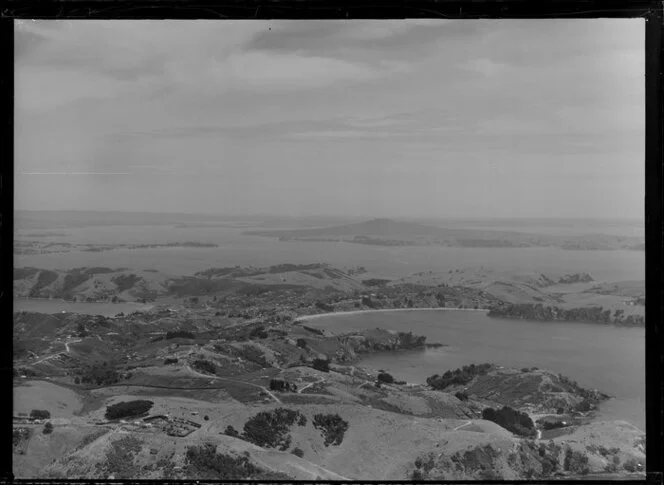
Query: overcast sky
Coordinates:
[484,118]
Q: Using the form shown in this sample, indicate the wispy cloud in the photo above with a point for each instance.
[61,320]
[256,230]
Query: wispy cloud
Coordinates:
[76,173]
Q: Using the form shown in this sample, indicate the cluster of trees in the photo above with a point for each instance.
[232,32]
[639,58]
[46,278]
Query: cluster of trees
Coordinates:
[128,409]
[458,376]
[40,414]
[512,420]
[48,428]
[595,314]
[386,378]
[322,365]
[409,341]
[282,386]
[179,334]
[332,426]
[375,282]
[271,429]
[284,268]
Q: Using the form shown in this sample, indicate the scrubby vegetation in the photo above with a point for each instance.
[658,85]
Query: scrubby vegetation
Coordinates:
[595,314]
[258,333]
[298,452]
[203,365]
[512,420]
[100,374]
[169,361]
[20,436]
[271,429]
[375,282]
[44,278]
[126,282]
[128,409]
[204,462]
[24,273]
[332,427]
[458,376]
[576,462]
[230,431]
[119,460]
[48,428]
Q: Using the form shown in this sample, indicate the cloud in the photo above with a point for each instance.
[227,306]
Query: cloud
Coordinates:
[486,67]
[290,71]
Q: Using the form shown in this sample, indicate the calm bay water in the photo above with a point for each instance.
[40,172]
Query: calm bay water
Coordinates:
[58,306]
[607,358]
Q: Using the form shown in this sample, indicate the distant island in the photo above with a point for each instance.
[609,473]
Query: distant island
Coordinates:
[388,232]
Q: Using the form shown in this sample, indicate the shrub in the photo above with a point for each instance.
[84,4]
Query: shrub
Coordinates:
[301,343]
[461,396]
[230,431]
[321,365]
[127,409]
[298,452]
[385,378]
[206,418]
[332,427]
[48,428]
[40,414]
[169,361]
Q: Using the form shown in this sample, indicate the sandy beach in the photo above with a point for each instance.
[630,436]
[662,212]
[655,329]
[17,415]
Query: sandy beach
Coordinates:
[306,318]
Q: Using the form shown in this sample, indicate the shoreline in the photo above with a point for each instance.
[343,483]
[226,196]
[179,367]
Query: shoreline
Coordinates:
[306,318]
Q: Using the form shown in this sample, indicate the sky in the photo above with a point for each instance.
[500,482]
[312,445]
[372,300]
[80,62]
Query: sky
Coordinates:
[403,118]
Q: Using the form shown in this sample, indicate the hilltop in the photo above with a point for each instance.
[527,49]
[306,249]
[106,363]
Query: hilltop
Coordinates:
[225,352]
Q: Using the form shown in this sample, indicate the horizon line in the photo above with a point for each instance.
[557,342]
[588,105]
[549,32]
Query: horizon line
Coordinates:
[359,216]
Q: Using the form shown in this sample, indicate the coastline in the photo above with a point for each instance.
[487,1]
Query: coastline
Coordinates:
[306,318]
